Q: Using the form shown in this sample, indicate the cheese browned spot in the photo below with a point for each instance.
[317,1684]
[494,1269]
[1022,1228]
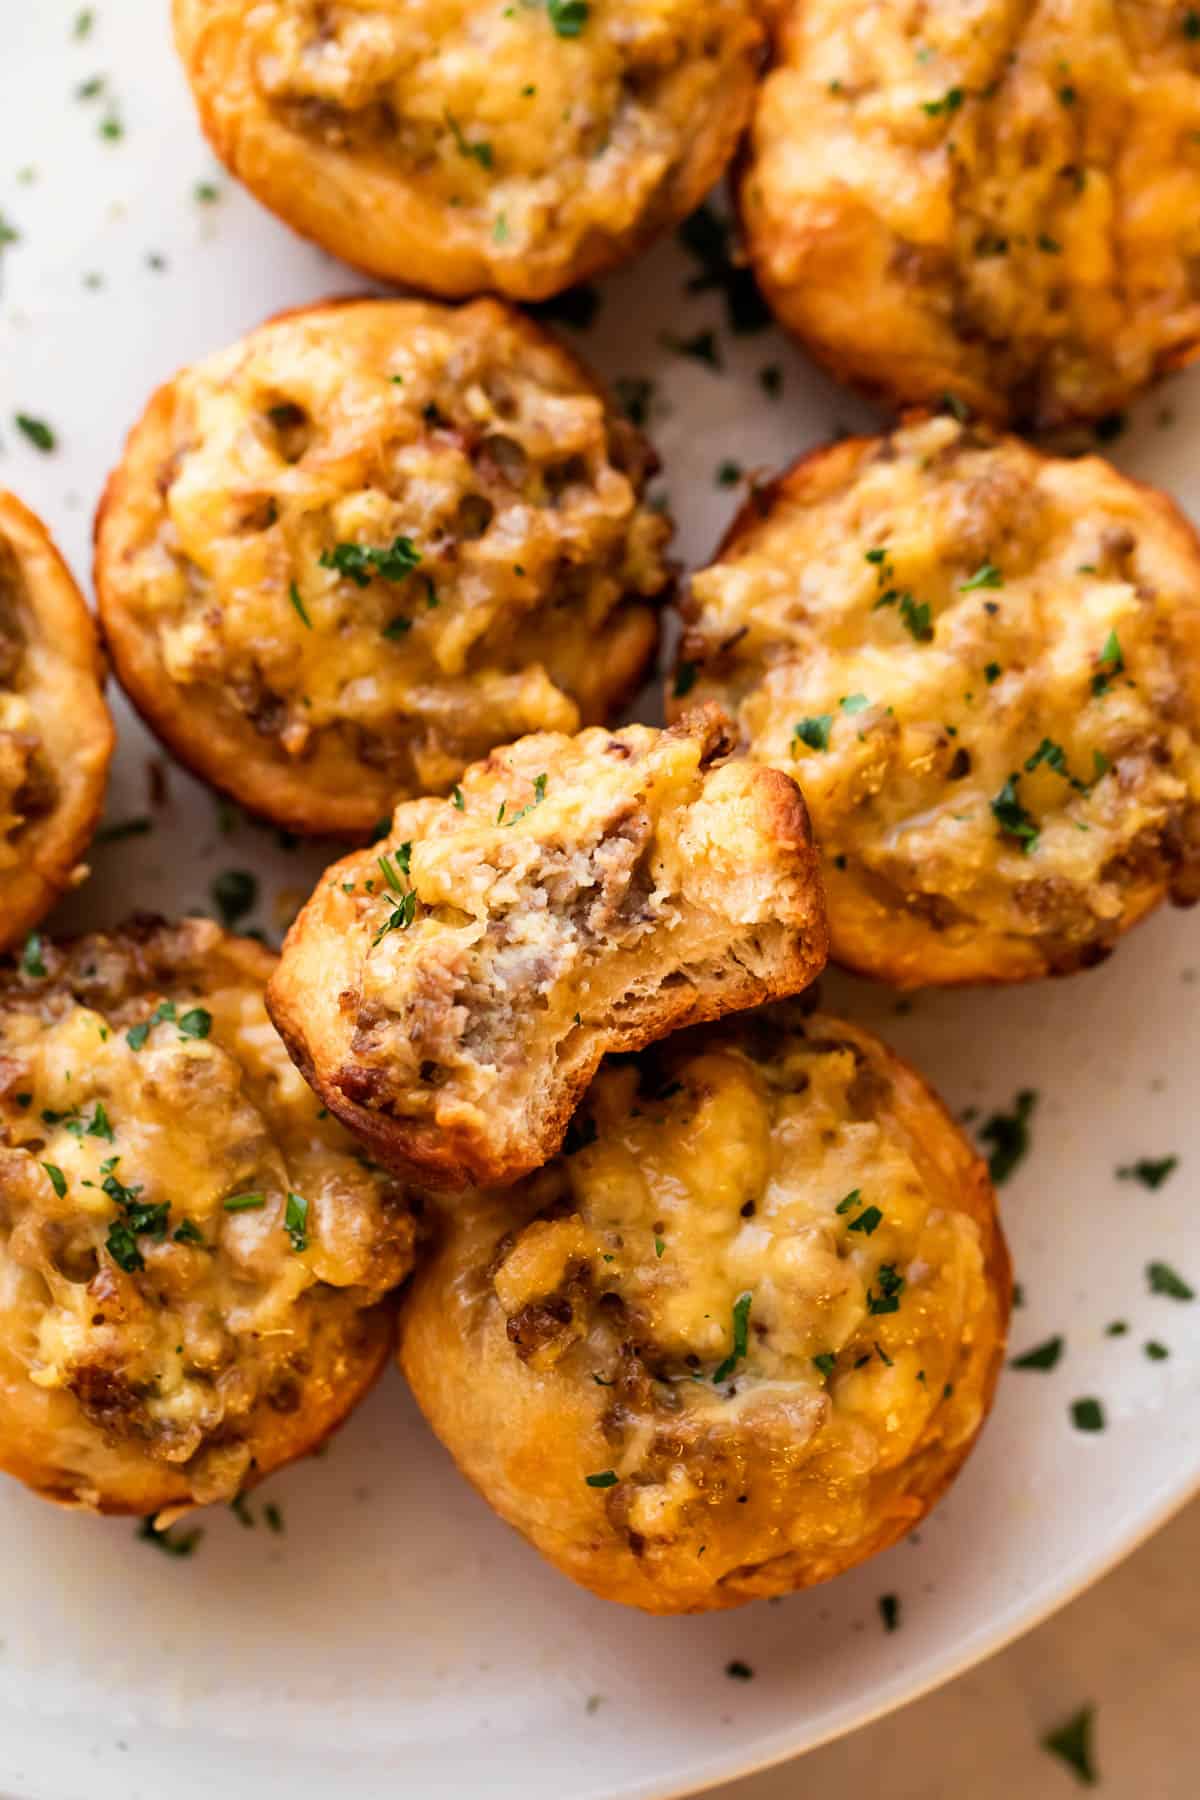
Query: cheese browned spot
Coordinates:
[744,1336]
[357,549]
[55,732]
[463,146]
[451,991]
[983,667]
[192,1254]
[999,201]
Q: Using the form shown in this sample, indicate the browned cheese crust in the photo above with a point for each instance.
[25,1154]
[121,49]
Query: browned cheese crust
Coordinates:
[56,736]
[461,145]
[998,201]
[983,667]
[346,556]
[450,992]
[192,1256]
[742,1338]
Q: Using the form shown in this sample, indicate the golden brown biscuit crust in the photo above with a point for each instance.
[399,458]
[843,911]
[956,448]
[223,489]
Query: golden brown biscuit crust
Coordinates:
[999,203]
[349,554]
[740,1340]
[450,992]
[56,736]
[983,666]
[193,1259]
[460,148]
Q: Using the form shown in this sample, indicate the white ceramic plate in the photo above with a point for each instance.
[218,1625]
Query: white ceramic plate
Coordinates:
[396,1637]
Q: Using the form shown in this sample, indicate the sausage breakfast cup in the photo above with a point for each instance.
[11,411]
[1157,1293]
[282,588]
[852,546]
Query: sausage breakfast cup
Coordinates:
[741,1335]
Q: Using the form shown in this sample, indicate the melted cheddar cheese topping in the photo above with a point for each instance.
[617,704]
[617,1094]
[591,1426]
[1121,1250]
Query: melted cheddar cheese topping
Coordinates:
[779,1296]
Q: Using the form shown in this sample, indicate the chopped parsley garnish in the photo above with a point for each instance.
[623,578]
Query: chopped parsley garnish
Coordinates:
[950,102]
[659,1246]
[100,1125]
[1087,1414]
[298,605]
[84,21]
[195,1024]
[987,575]
[992,672]
[812,732]
[685,679]
[136,1036]
[916,618]
[1072,1743]
[207,193]
[359,562]
[729,473]
[741,1335]
[500,229]
[576,306]
[851,1199]
[1150,1171]
[1191,24]
[709,238]
[1008,1136]
[32,961]
[853,703]
[187,1232]
[1112,662]
[1042,1356]
[635,393]
[402,916]
[605,1479]
[703,347]
[568,17]
[456,795]
[1012,817]
[273,1517]
[295,1221]
[479,150]
[237,1203]
[121,1245]
[121,829]
[1155,1351]
[868,1221]
[889,1611]
[891,1286]
[539,794]
[40,435]
[179,1543]
[1164,1280]
[234,893]
[58,1180]
[1054,757]
[825,1363]
[739,1671]
[1048,245]
[397,628]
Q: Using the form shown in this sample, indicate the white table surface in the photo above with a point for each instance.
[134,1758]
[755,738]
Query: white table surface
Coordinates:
[1130,1646]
